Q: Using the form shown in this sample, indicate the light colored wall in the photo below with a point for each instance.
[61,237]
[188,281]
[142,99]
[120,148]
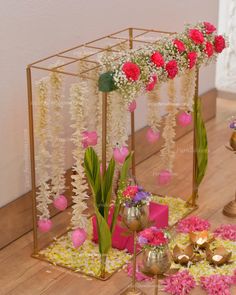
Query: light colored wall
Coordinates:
[31,29]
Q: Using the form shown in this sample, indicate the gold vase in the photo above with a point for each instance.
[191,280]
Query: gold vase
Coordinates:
[156,262]
[135,218]
[233,141]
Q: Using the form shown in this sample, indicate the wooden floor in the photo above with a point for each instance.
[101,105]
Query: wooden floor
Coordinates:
[21,274]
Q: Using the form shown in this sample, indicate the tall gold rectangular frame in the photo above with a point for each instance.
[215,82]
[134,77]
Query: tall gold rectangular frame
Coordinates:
[134,35]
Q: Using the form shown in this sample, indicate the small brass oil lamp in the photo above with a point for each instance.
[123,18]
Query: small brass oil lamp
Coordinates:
[201,239]
[183,255]
[218,256]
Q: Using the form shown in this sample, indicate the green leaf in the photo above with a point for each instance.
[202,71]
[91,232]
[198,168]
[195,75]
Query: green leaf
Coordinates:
[123,178]
[106,82]
[107,181]
[104,234]
[201,144]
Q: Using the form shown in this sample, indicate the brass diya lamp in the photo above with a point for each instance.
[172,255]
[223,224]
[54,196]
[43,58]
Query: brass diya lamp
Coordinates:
[200,240]
[135,219]
[183,255]
[156,262]
[218,256]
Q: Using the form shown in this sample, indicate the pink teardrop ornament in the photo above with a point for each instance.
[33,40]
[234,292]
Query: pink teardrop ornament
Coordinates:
[120,154]
[164,177]
[184,119]
[44,225]
[60,203]
[78,237]
[152,136]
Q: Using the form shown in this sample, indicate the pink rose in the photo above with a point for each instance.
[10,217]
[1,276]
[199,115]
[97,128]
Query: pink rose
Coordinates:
[172,69]
[196,36]
[152,82]
[219,43]
[131,70]
[179,45]
[157,59]
[209,49]
[210,28]
[192,59]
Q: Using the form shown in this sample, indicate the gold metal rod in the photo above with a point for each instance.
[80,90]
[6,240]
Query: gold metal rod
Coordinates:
[156,285]
[32,159]
[134,40]
[108,48]
[104,130]
[134,261]
[132,116]
[155,31]
[194,184]
[77,59]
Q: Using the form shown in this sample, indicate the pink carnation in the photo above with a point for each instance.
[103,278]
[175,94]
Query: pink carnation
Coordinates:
[179,45]
[219,43]
[226,232]
[157,59]
[210,28]
[209,49]
[130,191]
[192,59]
[179,284]
[217,284]
[152,82]
[172,69]
[192,224]
[131,70]
[196,36]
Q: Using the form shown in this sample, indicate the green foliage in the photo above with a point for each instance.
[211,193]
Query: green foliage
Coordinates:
[106,82]
[101,187]
[201,144]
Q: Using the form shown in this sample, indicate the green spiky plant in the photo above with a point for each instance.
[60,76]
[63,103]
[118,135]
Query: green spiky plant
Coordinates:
[101,187]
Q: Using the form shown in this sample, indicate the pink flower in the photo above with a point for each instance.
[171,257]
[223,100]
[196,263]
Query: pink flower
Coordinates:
[219,43]
[157,59]
[196,36]
[152,82]
[217,284]
[131,70]
[192,224]
[159,239]
[179,45]
[192,59]
[130,191]
[210,28]
[172,69]
[147,234]
[120,154]
[226,232]
[209,49]
[179,284]
[90,138]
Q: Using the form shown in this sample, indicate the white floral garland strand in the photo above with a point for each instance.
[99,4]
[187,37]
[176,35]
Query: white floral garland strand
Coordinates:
[42,154]
[57,140]
[187,89]
[80,187]
[153,106]
[168,151]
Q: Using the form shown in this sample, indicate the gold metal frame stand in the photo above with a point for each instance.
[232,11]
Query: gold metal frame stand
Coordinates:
[230,209]
[69,68]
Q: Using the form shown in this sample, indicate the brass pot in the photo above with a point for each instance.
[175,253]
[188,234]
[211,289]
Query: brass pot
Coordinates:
[156,261]
[135,218]
[233,141]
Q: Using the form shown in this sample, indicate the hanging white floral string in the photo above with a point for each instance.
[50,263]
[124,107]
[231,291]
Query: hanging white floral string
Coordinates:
[187,89]
[42,156]
[168,151]
[57,142]
[80,187]
[154,114]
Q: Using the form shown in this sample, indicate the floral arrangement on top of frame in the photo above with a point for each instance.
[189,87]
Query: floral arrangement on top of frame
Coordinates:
[140,69]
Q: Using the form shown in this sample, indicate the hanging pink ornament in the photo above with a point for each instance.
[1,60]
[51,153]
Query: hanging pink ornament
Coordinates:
[60,203]
[164,177]
[184,119]
[152,136]
[44,225]
[90,138]
[132,106]
[120,154]
[78,237]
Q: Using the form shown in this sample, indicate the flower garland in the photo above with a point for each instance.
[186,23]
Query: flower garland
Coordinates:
[187,89]
[153,105]
[166,58]
[57,140]
[168,151]
[42,156]
[80,187]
